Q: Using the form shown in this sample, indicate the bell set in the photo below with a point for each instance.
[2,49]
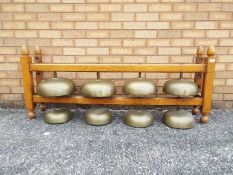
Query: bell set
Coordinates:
[140,87]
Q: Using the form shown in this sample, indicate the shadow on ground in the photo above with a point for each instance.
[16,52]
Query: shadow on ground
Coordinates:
[34,147]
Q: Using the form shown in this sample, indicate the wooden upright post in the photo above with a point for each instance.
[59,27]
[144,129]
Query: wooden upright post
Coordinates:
[38,59]
[198,78]
[39,75]
[25,61]
[208,80]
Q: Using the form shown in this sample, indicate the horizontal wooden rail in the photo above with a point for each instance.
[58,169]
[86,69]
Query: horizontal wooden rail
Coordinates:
[196,101]
[119,67]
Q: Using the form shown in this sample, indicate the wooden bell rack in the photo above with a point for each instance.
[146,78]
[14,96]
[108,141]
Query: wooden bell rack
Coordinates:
[203,68]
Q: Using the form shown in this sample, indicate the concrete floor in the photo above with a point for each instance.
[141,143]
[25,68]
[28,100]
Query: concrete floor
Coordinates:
[34,147]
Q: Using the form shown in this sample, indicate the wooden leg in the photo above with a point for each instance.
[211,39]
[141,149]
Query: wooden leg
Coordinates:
[204,118]
[26,60]
[42,107]
[31,114]
[195,110]
[207,88]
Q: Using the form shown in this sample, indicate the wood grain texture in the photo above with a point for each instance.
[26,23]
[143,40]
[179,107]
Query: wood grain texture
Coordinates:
[38,59]
[205,67]
[25,61]
[119,67]
[200,56]
[207,89]
[121,100]
[39,75]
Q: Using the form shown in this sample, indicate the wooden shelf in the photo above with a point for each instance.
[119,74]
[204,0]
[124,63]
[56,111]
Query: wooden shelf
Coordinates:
[204,69]
[189,68]
[75,99]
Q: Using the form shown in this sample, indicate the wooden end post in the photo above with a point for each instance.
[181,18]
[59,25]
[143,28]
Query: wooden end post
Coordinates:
[39,75]
[38,59]
[198,78]
[25,61]
[208,79]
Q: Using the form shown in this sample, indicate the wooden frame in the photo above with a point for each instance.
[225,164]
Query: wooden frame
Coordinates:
[203,69]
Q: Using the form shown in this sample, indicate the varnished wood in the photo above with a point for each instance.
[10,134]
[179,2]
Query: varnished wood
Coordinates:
[24,51]
[198,79]
[118,67]
[31,114]
[38,59]
[39,75]
[210,51]
[204,119]
[25,61]
[207,89]
[195,110]
[121,100]
[42,107]
[205,68]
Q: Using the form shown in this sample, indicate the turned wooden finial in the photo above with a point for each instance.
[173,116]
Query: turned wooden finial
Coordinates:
[210,50]
[37,50]
[200,50]
[24,50]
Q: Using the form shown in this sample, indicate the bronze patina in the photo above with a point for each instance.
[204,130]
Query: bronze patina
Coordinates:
[180,88]
[139,118]
[55,87]
[178,119]
[98,88]
[98,116]
[57,116]
[140,87]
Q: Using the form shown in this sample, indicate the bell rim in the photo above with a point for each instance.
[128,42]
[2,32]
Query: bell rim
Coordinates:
[106,113]
[65,119]
[166,119]
[138,124]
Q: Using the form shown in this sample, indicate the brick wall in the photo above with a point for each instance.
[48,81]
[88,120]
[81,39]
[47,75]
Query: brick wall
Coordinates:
[115,31]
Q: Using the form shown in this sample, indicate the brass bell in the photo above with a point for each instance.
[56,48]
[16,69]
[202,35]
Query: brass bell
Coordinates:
[57,116]
[178,119]
[98,116]
[55,87]
[180,88]
[139,118]
[98,88]
[140,87]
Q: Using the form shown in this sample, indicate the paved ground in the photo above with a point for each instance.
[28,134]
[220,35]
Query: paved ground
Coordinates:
[33,147]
